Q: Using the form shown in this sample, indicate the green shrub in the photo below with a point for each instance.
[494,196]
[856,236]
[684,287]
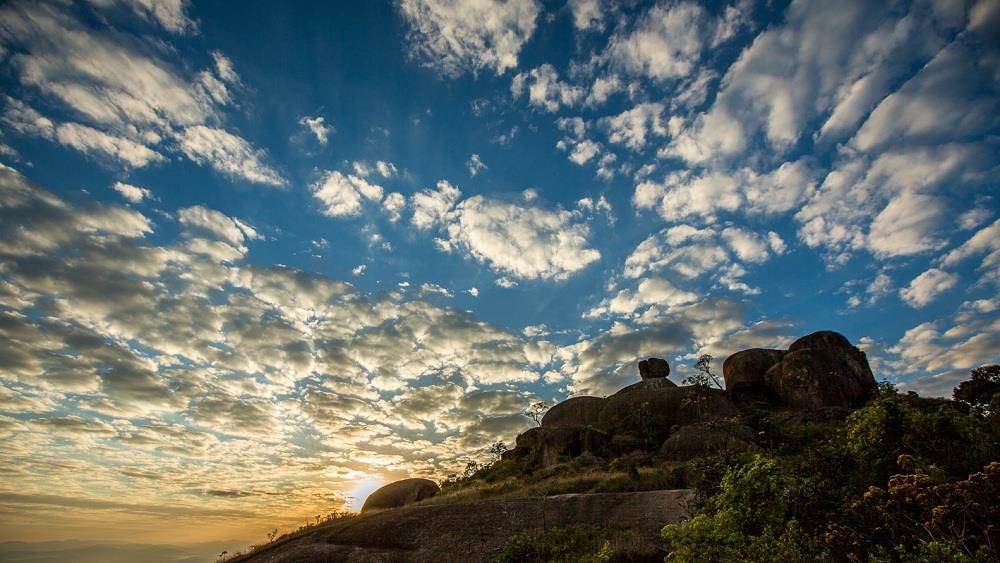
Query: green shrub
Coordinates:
[581,542]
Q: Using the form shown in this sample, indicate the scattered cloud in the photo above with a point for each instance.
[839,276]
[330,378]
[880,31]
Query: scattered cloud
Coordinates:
[475,165]
[470,35]
[318,127]
[132,193]
[343,194]
[927,286]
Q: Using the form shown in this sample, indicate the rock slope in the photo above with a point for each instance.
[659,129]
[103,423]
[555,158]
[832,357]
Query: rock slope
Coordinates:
[475,530]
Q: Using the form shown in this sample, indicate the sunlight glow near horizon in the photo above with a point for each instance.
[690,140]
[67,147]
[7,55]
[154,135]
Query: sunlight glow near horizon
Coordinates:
[357,496]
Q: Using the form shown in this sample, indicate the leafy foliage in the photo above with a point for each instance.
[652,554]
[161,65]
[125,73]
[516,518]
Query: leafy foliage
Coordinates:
[586,543]
[981,388]
[902,479]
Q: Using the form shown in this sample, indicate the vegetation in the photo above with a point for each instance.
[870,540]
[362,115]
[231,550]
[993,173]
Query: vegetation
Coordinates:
[901,479]
[584,543]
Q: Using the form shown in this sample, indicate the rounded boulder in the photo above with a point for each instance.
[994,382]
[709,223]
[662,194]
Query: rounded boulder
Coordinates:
[575,411]
[745,371]
[653,368]
[822,369]
[401,493]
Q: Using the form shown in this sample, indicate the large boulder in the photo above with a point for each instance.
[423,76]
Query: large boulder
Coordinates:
[575,411]
[705,438]
[653,368]
[649,413]
[401,493]
[822,369]
[745,371]
[647,386]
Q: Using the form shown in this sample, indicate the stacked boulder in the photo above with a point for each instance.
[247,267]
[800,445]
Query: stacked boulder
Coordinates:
[820,370]
[640,416]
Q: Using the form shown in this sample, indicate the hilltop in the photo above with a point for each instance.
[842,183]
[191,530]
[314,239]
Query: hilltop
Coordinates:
[801,455]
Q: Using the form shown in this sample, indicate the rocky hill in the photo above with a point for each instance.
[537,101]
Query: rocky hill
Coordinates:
[788,448]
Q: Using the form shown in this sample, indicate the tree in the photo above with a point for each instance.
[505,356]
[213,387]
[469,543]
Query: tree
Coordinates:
[703,376]
[981,388]
[537,411]
[497,450]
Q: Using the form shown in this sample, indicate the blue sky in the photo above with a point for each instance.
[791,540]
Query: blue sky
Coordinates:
[253,261]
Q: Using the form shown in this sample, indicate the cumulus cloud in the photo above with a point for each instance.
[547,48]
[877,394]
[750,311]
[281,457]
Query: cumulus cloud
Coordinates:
[228,154]
[468,36]
[985,242]
[91,141]
[430,206]
[666,43]
[513,238]
[685,194]
[318,127]
[545,90]
[588,14]
[135,194]
[132,105]
[342,194]
[784,80]
[927,286]
[690,252]
[892,205]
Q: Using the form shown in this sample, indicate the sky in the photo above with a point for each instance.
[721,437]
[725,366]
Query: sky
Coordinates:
[256,259]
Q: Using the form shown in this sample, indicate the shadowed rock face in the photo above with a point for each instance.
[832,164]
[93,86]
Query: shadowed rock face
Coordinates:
[695,440]
[745,371]
[576,411]
[822,369]
[401,493]
[639,409]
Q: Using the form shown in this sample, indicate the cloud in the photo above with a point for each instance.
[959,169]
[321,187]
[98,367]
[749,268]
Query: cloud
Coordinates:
[89,140]
[820,64]
[666,42]
[588,14]
[927,286]
[862,201]
[135,194]
[685,194]
[475,165]
[634,127]
[342,194]
[985,242]
[430,206]
[228,154]
[519,239]
[318,127]
[168,13]
[650,292]
[690,253]
[545,90]
[394,204]
[468,36]
[131,104]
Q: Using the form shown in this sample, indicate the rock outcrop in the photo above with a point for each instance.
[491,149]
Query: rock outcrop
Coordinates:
[822,369]
[817,371]
[575,411]
[401,493]
[705,438]
[745,372]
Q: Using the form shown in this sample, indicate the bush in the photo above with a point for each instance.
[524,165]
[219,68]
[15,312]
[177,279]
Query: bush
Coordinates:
[580,542]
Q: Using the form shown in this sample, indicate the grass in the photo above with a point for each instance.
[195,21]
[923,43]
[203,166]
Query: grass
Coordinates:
[564,479]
